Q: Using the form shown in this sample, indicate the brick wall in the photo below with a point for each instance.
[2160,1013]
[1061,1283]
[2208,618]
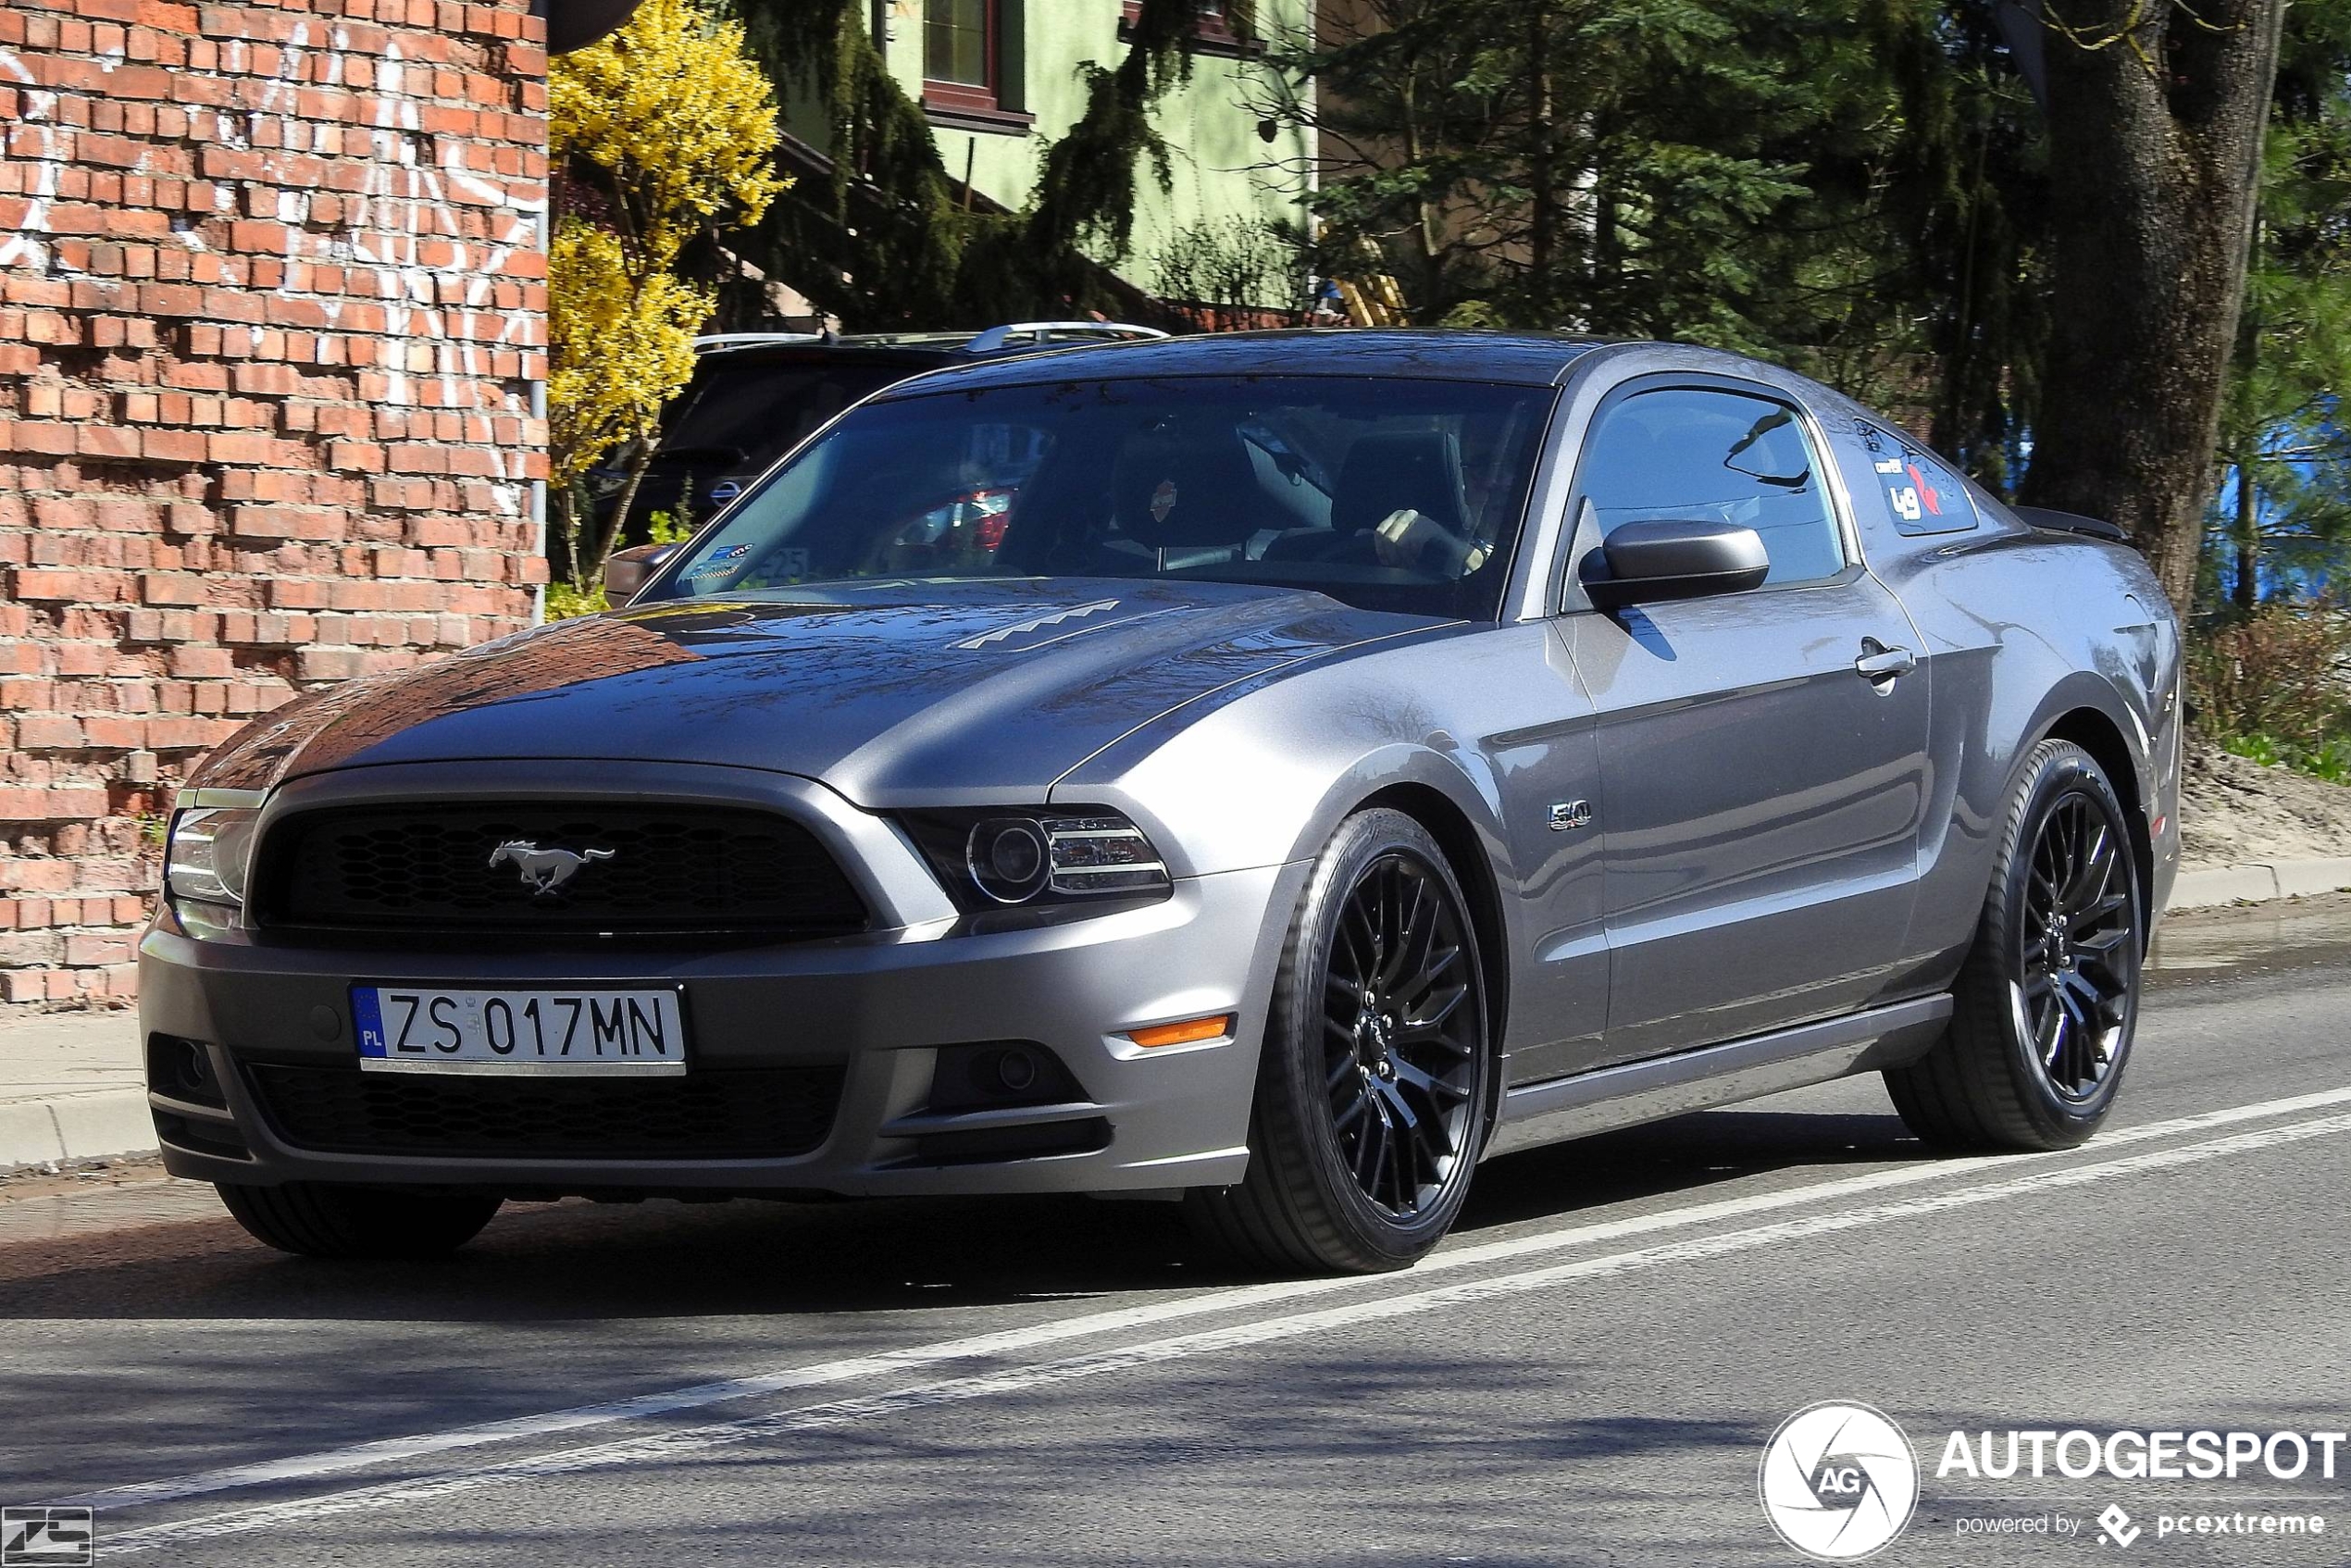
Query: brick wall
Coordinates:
[271,307]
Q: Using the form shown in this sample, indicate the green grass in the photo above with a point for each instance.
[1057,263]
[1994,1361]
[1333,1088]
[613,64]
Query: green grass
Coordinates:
[2330,760]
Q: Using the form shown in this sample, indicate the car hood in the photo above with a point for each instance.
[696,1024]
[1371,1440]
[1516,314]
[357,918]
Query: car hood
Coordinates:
[893,693]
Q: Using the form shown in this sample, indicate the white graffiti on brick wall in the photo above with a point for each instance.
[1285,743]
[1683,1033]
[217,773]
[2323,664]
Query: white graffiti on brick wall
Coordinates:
[37,113]
[401,208]
[395,228]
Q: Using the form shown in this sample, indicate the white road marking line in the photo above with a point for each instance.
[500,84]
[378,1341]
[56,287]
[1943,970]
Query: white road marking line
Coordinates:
[678,1443]
[358,1456]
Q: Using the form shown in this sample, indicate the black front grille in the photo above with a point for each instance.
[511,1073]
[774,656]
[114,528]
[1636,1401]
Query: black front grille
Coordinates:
[427,868]
[766,1113]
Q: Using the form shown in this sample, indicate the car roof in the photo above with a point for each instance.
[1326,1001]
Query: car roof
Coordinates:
[1422,354]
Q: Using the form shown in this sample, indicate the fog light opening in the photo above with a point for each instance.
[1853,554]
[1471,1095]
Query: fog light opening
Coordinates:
[196,1071]
[1006,1072]
[182,1069]
[1190,1031]
[998,1075]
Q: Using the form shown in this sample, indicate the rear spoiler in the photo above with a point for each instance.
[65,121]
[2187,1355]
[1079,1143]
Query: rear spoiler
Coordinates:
[2072,522]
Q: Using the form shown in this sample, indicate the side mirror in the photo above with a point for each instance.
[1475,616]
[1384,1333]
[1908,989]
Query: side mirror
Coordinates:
[1670,558]
[627,570]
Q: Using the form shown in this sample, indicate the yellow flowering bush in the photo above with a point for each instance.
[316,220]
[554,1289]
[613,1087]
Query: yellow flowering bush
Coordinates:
[622,347]
[660,130]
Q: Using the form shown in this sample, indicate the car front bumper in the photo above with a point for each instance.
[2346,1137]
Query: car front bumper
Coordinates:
[877,1007]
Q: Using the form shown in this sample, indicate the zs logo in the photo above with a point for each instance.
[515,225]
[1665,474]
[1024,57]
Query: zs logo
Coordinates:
[45,1538]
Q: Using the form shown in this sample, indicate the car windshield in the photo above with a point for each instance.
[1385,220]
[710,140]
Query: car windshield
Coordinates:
[1384,493]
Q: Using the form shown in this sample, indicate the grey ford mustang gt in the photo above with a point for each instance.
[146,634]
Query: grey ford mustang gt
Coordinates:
[1271,772]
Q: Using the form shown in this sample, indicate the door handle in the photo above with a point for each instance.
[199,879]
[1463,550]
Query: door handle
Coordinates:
[1879,663]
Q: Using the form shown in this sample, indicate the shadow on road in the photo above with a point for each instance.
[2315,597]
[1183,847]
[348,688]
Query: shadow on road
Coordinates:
[581,1263]
[575,1261]
[1666,1158]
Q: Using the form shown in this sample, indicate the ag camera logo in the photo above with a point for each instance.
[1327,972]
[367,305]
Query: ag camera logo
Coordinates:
[1838,1481]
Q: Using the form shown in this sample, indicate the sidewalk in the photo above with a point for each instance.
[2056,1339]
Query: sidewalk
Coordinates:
[72,1086]
[2258,881]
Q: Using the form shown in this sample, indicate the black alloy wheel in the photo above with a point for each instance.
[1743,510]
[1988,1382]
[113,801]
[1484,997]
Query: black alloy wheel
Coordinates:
[1401,1035]
[2044,1005]
[2077,947]
[1374,1082]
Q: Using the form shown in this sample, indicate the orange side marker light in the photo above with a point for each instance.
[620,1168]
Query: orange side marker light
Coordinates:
[1214,1027]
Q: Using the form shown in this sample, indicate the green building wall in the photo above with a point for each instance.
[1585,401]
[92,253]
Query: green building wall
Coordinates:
[1224,169]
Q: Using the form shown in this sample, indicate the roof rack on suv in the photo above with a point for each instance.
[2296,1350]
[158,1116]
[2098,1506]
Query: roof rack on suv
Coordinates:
[996,338]
[752,339]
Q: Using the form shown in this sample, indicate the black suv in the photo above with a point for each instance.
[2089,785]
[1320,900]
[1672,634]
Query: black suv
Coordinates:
[757,395]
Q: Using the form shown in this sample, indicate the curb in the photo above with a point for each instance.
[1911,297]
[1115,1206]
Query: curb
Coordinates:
[76,1127]
[2259,882]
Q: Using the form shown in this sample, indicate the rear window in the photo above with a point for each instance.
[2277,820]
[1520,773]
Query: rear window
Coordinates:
[1921,494]
[738,418]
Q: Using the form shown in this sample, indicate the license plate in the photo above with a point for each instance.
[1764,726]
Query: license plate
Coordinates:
[428,1029]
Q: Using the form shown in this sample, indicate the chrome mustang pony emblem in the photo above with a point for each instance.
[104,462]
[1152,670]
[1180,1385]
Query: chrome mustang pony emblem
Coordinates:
[544,871]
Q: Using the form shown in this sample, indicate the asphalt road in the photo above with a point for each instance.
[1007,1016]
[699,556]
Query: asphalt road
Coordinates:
[1586,1373]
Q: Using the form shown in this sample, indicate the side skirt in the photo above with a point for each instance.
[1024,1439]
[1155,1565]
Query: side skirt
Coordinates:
[1718,1074]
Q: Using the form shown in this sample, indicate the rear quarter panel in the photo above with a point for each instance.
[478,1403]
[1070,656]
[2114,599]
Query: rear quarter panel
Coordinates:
[2024,631]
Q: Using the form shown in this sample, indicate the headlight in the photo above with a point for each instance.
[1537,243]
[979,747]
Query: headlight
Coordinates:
[994,858]
[1009,858]
[209,850]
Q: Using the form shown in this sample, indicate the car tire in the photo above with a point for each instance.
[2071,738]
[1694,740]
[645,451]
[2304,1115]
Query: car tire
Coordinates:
[321,1220]
[2046,1002]
[1375,1083]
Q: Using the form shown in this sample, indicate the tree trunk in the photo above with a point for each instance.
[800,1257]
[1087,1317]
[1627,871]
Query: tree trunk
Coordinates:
[1607,252]
[1543,202]
[1428,269]
[563,514]
[2155,154]
[609,534]
[1949,433]
[2246,535]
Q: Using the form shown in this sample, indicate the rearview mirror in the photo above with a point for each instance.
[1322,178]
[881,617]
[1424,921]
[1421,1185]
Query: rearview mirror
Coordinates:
[1673,558]
[627,570]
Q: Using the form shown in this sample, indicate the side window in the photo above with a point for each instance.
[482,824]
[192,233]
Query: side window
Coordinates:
[1688,453]
[1922,495]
